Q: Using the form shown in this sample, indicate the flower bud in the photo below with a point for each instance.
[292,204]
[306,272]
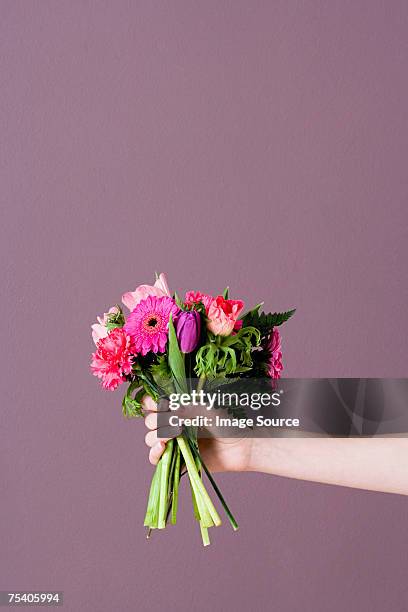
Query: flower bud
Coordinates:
[188,326]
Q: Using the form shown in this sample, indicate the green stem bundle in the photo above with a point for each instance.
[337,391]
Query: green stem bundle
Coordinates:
[164,489]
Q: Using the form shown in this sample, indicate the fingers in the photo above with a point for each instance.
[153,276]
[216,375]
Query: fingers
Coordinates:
[156,444]
[151,438]
[156,452]
[149,404]
[151,420]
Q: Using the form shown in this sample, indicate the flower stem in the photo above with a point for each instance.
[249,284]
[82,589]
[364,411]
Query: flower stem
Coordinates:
[153,501]
[228,512]
[176,482]
[201,511]
[203,499]
[164,478]
[196,452]
[204,535]
[201,382]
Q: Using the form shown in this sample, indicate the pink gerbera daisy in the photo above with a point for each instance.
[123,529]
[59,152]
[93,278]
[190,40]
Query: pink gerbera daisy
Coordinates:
[112,359]
[148,323]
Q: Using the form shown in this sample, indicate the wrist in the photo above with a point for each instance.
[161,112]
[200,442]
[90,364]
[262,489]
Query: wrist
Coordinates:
[266,455]
[256,457]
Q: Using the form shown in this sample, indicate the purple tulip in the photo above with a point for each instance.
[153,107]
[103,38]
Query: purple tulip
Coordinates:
[188,326]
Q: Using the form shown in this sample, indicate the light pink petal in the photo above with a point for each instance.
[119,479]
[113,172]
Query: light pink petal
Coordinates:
[132,298]
[98,331]
[161,283]
[129,300]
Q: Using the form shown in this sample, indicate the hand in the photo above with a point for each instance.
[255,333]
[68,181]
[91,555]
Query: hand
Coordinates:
[219,454]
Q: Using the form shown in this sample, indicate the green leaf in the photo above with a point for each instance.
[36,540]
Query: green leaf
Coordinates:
[252,312]
[131,406]
[227,355]
[115,319]
[178,300]
[225,293]
[161,374]
[265,322]
[247,338]
[176,361]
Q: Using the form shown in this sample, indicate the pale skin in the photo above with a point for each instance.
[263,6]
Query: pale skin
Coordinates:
[375,464]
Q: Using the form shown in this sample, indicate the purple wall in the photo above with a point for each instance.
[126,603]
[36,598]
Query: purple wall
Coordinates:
[260,144]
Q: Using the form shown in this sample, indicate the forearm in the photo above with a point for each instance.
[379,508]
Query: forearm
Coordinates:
[378,464]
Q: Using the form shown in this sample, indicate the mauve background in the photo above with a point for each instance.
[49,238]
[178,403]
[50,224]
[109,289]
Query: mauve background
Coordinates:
[260,144]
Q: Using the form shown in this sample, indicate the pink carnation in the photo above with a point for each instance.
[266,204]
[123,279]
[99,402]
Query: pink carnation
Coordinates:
[112,359]
[223,315]
[193,297]
[148,323]
[274,347]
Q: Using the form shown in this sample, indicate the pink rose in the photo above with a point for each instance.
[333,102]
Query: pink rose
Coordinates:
[222,315]
[159,289]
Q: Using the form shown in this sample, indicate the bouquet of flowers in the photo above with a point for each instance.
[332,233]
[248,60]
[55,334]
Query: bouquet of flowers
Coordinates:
[152,349]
